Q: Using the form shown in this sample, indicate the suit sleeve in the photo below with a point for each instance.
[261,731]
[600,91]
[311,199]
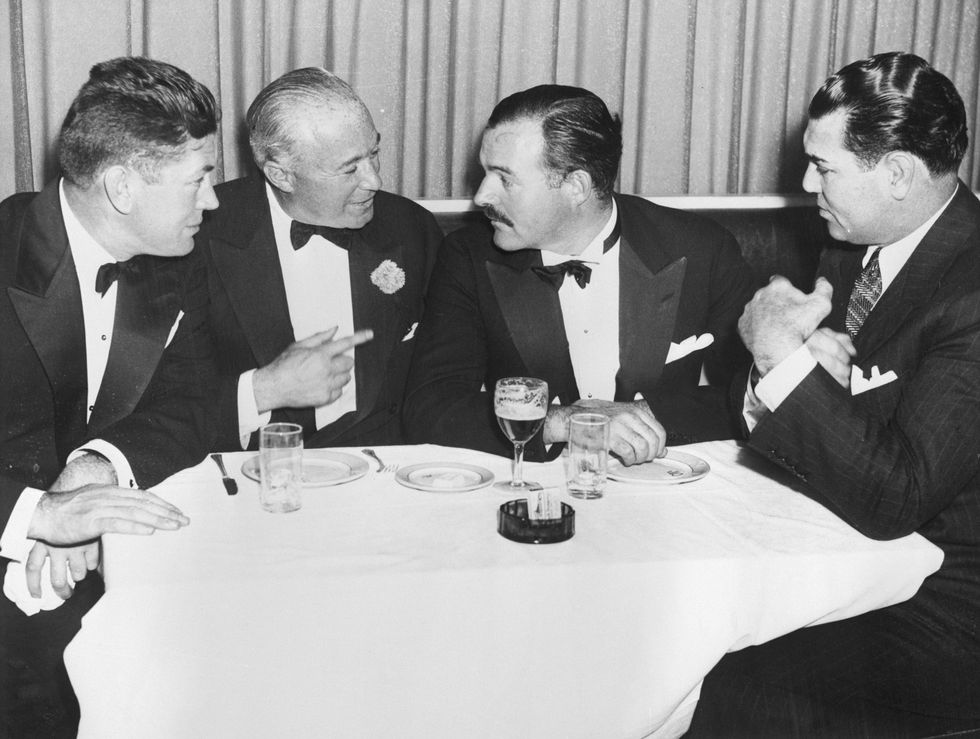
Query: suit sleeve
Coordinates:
[174,425]
[692,412]
[887,474]
[444,401]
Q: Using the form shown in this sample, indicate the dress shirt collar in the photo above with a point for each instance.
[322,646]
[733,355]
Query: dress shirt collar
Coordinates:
[592,254]
[281,221]
[894,256]
[87,253]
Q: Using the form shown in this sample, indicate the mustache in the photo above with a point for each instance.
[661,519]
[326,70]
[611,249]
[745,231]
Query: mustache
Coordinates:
[495,215]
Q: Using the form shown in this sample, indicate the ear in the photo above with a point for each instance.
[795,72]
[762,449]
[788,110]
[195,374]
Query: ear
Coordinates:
[578,186]
[279,177]
[118,183]
[900,169]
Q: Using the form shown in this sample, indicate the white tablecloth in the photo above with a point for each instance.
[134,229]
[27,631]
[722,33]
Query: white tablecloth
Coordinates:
[381,611]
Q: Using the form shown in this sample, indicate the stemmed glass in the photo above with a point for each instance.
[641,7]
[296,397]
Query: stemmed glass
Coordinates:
[521,404]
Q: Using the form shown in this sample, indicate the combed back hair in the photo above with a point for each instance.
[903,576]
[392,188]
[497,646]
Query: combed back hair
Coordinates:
[897,102]
[579,132]
[275,117]
[135,112]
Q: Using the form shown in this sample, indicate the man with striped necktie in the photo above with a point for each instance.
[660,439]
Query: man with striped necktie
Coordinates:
[870,395]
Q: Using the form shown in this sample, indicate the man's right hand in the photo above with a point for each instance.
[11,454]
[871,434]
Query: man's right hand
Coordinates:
[75,516]
[308,373]
[780,318]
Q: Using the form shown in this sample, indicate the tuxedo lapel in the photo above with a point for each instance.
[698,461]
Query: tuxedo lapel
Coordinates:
[532,312]
[374,309]
[648,304]
[247,260]
[46,298]
[921,276]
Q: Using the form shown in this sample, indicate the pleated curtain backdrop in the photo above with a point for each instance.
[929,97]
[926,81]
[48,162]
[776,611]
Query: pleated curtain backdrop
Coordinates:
[712,93]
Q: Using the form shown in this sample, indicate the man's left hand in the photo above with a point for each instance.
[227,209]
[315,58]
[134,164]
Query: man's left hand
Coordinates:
[834,352]
[77,560]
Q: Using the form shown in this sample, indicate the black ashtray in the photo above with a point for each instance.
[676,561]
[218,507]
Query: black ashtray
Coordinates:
[513,523]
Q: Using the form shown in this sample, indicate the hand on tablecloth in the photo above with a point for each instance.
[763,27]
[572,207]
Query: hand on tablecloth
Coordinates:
[73,516]
[635,434]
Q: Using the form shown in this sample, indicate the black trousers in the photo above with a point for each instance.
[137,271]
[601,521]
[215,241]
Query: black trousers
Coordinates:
[36,698]
[909,670]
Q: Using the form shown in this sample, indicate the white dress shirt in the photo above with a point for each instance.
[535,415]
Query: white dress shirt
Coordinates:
[774,388]
[591,315]
[318,296]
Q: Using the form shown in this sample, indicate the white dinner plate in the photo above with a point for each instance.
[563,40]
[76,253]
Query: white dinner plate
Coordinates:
[320,467]
[444,477]
[675,467]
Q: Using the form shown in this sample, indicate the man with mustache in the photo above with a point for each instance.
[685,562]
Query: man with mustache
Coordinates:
[880,422]
[615,302]
[308,259]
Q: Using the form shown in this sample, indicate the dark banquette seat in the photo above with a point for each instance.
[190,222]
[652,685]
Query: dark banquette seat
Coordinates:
[778,234]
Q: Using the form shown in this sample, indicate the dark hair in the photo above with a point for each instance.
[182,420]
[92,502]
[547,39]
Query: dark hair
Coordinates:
[284,104]
[134,111]
[896,102]
[579,132]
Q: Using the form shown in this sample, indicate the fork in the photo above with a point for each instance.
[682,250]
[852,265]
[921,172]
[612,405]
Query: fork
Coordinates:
[382,467]
[231,487]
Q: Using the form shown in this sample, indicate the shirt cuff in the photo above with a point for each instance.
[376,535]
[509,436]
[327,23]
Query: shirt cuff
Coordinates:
[124,473]
[249,418]
[14,543]
[782,379]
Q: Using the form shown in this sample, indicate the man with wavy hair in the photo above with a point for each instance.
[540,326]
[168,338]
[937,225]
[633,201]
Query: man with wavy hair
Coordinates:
[106,361]
[309,259]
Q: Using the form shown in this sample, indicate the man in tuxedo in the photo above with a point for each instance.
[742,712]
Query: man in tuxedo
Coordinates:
[308,259]
[105,359]
[879,418]
[615,302]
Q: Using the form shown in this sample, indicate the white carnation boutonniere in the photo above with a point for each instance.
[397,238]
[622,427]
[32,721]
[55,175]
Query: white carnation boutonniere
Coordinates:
[388,277]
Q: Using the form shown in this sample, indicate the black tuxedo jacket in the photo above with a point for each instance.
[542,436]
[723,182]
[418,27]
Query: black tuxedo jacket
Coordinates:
[249,317]
[904,456]
[489,316]
[151,401]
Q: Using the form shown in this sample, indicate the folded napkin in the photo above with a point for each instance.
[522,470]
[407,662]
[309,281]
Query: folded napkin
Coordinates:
[15,588]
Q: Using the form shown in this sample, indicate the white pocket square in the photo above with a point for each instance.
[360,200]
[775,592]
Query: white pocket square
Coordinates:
[690,344]
[861,384]
[411,332]
[173,329]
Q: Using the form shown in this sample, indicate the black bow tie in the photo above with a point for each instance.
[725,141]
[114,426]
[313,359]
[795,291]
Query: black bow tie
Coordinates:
[109,273]
[575,267]
[555,274]
[300,233]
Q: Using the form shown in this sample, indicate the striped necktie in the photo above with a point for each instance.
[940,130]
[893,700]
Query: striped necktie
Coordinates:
[867,290]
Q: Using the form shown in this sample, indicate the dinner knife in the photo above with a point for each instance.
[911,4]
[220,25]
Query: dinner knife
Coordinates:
[231,487]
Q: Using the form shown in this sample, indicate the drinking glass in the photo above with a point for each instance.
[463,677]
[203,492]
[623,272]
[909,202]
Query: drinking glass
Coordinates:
[521,404]
[588,455]
[281,466]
